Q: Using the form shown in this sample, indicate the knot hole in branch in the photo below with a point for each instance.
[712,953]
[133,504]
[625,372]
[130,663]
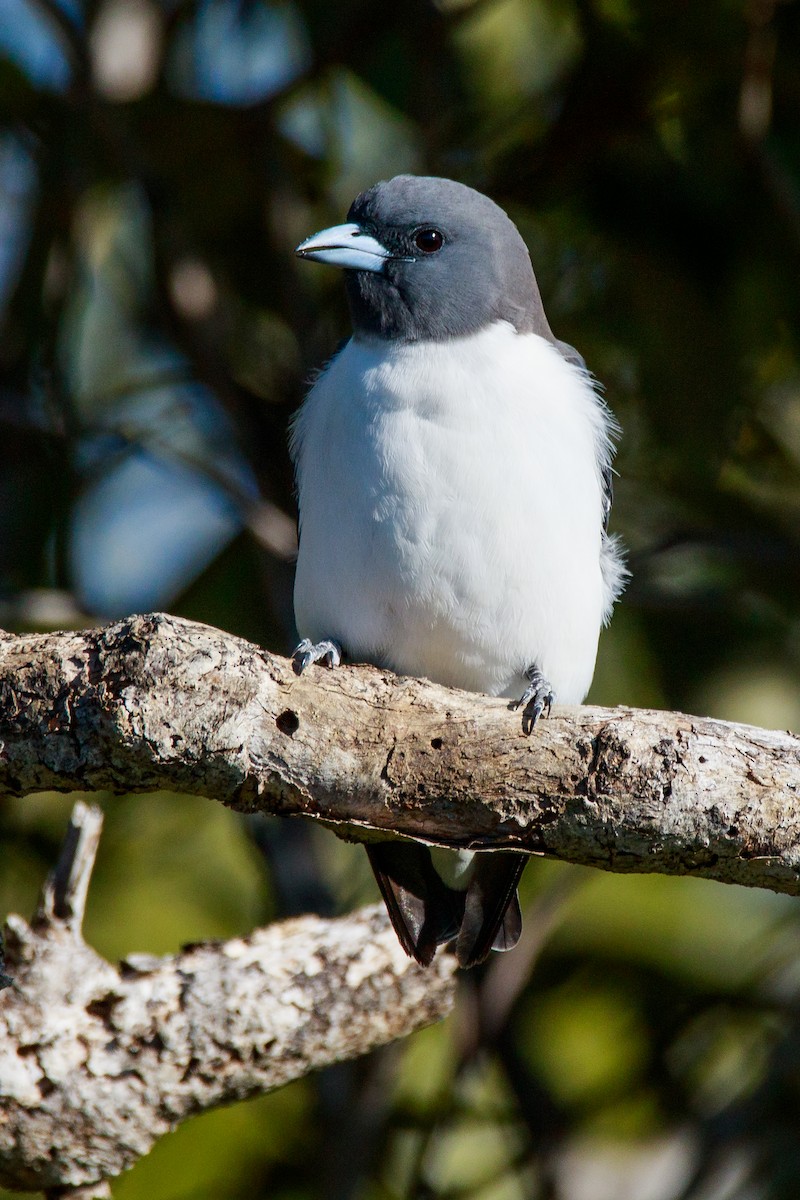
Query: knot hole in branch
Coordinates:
[288,722]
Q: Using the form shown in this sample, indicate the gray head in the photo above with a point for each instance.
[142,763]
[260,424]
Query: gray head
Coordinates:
[429,259]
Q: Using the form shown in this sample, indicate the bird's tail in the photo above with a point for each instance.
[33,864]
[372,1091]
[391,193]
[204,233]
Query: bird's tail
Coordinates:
[426,912]
[492,918]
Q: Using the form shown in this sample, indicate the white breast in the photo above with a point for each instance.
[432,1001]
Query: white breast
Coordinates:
[451,511]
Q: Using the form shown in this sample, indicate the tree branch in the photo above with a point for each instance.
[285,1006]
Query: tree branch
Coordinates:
[97,1063]
[157,702]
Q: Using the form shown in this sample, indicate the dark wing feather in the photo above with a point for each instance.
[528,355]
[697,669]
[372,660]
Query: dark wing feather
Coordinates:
[510,929]
[608,495]
[492,918]
[422,909]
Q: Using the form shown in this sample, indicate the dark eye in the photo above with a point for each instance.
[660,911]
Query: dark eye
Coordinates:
[428,241]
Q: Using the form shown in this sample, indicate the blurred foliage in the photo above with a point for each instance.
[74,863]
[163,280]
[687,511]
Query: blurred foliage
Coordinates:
[158,163]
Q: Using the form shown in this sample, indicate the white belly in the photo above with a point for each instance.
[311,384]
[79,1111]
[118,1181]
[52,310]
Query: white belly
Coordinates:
[451,511]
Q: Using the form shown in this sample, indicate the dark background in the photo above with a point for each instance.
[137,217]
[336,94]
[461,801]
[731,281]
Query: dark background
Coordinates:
[158,164]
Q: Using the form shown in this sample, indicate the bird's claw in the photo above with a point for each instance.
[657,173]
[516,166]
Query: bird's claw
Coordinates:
[537,698]
[308,652]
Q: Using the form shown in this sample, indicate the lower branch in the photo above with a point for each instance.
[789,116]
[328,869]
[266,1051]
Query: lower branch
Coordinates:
[98,1062]
[156,702]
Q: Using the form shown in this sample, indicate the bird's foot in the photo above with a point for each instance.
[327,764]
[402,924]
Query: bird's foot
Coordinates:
[309,652]
[537,698]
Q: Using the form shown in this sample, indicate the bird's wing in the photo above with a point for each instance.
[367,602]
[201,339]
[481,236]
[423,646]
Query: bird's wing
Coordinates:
[572,356]
[608,493]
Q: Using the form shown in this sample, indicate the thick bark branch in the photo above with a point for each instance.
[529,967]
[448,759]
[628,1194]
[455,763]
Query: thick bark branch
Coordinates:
[96,1063]
[157,702]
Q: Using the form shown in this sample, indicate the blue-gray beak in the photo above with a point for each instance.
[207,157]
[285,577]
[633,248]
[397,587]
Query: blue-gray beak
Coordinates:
[345,246]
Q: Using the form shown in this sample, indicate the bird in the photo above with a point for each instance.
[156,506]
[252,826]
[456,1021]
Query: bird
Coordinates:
[453,466]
